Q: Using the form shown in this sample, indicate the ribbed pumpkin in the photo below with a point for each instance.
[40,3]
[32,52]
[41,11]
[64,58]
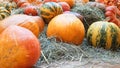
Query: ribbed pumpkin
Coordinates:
[70,2]
[104,34]
[66,27]
[4,13]
[19,48]
[50,10]
[33,23]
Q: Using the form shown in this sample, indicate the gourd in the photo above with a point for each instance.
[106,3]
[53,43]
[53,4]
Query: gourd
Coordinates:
[33,23]
[4,13]
[70,2]
[50,9]
[104,34]
[66,27]
[9,5]
[19,48]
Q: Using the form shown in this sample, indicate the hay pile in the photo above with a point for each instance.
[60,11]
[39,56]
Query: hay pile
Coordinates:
[91,14]
[54,51]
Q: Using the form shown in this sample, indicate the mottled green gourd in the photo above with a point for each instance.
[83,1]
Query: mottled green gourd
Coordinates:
[9,5]
[104,34]
[50,10]
[4,13]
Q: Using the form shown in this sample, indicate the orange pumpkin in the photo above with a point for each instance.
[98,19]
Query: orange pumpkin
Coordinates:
[70,2]
[66,27]
[33,23]
[19,48]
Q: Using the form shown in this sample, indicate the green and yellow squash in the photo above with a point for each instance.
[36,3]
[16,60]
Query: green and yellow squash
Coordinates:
[4,13]
[9,5]
[104,34]
[50,9]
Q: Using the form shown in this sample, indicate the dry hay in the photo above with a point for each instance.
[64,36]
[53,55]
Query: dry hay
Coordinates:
[91,14]
[55,51]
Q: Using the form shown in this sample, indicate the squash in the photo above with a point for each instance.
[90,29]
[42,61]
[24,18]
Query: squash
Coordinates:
[50,9]
[19,48]
[31,10]
[70,2]
[9,5]
[66,27]
[50,1]
[65,6]
[33,23]
[113,13]
[104,34]
[4,13]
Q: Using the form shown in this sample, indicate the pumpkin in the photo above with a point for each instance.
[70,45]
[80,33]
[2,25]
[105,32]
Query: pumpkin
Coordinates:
[24,5]
[33,23]
[19,48]
[65,6]
[66,27]
[70,2]
[50,10]
[104,34]
[31,10]
[50,1]
[4,13]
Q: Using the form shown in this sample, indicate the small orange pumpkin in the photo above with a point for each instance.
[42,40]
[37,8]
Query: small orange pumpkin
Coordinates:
[70,2]
[19,48]
[66,27]
[33,23]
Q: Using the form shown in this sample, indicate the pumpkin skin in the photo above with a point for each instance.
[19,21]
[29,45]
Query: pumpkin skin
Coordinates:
[31,10]
[50,1]
[33,23]
[70,2]
[104,34]
[65,6]
[19,48]
[50,10]
[66,27]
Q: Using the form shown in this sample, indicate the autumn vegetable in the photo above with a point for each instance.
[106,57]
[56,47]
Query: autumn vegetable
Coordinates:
[9,5]
[50,1]
[31,10]
[33,23]
[19,48]
[70,2]
[24,5]
[65,6]
[111,13]
[50,9]
[4,13]
[66,27]
[104,34]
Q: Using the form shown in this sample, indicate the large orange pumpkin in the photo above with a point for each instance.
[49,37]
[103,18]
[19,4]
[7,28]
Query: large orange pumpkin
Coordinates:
[70,2]
[33,23]
[66,27]
[19,48]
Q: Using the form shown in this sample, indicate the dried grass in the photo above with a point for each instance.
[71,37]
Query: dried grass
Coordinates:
[55,50]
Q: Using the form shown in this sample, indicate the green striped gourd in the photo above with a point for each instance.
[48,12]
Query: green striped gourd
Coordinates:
[9,5]
[4,13]
[104,34]
[50,9]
